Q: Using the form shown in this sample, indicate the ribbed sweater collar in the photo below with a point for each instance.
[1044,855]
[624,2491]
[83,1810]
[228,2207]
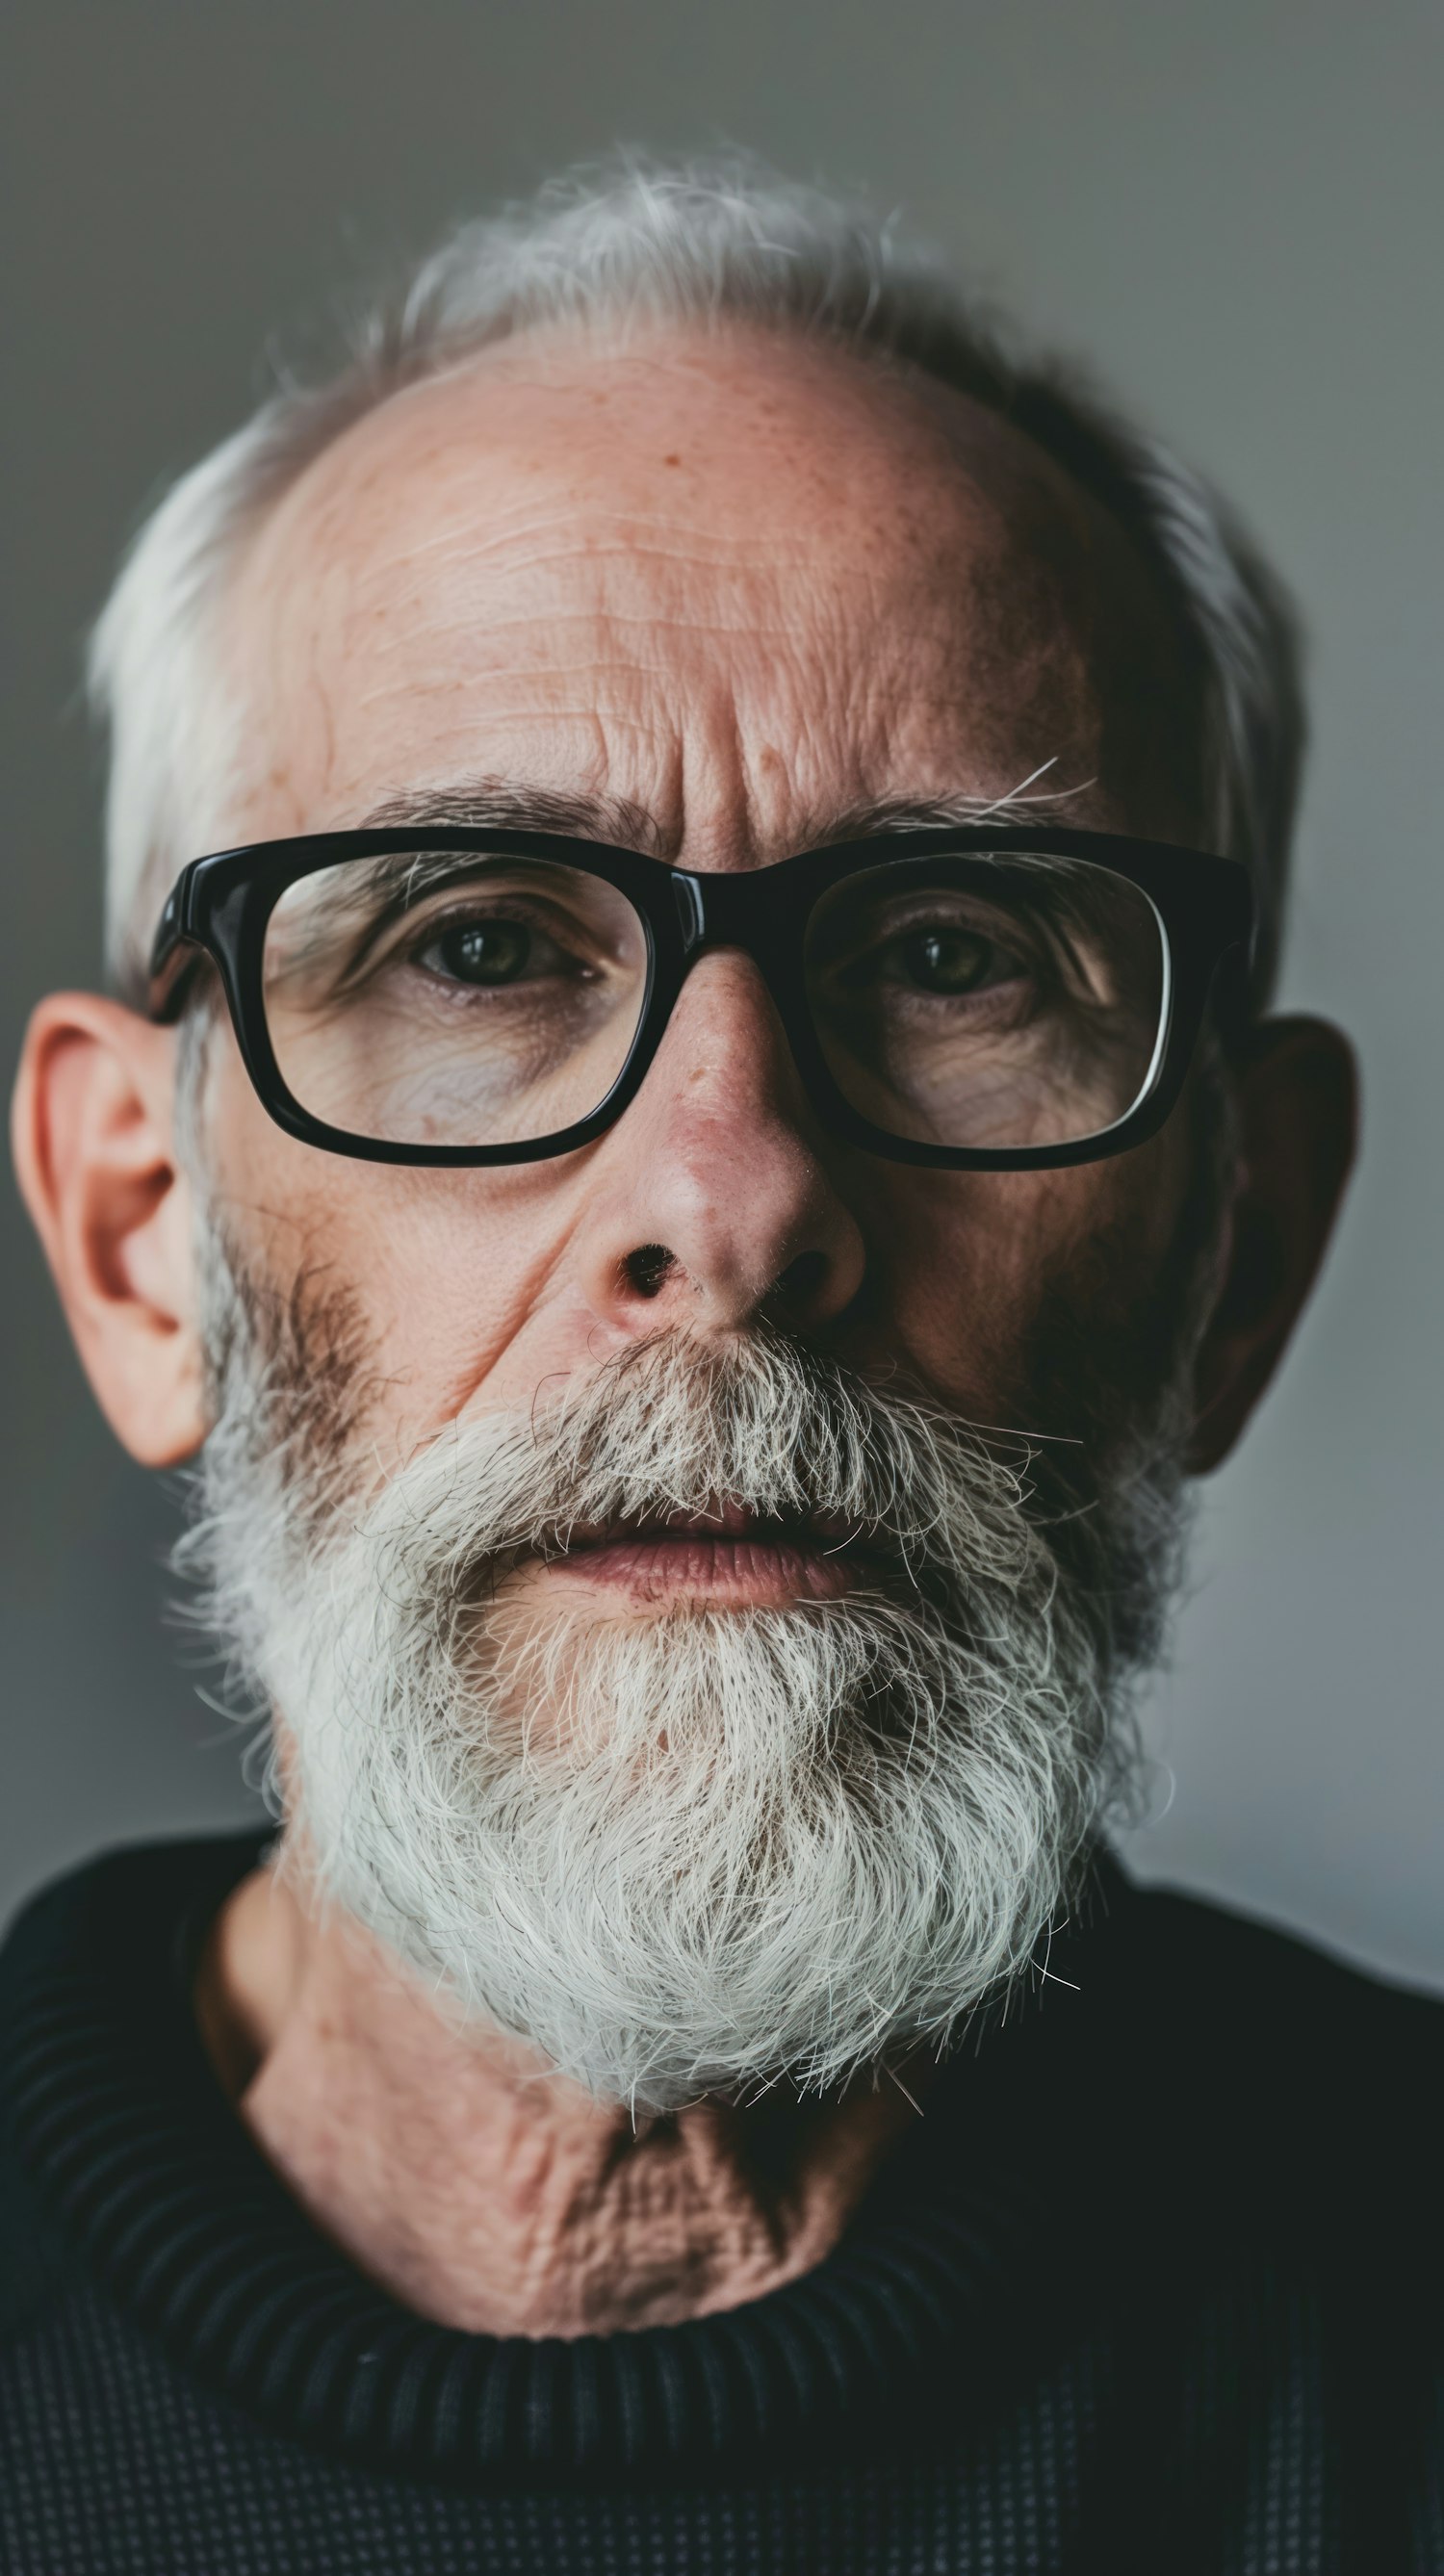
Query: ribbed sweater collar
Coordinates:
[154,2184]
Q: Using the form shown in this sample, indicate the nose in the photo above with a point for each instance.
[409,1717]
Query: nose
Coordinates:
[713,1206]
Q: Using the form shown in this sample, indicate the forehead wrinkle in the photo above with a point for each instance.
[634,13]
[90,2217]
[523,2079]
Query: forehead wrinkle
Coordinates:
[639,539]
[775,583]
[916,702]
[890,419]
[993,652]
[640,530]
[390,483]
[748,606]
[895,726]
[821,660]
[581,518]
[647,622]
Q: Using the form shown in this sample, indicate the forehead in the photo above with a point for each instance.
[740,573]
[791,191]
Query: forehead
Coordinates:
[738,581]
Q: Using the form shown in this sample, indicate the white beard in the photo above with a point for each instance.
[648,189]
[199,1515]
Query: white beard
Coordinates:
[694,1851]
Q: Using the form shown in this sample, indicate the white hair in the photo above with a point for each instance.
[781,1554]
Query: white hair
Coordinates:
[690,242]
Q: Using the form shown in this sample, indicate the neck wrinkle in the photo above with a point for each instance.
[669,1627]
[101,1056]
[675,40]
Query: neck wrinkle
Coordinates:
[482,2190]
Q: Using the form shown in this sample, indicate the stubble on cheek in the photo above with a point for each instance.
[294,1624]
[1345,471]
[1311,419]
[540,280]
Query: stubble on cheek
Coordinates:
[300,1351]
[1059,1311]
[1110,1339]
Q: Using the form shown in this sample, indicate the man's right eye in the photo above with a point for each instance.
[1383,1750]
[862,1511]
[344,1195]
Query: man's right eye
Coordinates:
[485,952]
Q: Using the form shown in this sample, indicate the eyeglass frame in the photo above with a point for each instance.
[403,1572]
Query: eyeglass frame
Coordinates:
[221,905]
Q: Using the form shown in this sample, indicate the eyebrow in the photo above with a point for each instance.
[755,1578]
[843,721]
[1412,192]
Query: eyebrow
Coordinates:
[512,805]
[515,805]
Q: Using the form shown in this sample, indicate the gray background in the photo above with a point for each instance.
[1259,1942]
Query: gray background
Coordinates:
[1237,208]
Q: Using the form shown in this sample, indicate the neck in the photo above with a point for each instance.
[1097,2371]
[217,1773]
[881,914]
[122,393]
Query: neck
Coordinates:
[481,2188]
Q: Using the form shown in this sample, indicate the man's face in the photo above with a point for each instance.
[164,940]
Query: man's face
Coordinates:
[697,1579]
[733,597]
[669,1652]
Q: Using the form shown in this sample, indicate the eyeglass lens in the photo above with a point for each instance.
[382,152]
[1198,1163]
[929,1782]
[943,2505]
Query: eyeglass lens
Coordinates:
[424,999]
[431,1001]
[993,1003]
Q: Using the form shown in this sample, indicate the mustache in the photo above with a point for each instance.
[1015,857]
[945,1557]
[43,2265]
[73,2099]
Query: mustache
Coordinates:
[672,1431]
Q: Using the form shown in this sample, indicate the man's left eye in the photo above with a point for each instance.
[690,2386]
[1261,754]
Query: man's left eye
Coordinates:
[951,961]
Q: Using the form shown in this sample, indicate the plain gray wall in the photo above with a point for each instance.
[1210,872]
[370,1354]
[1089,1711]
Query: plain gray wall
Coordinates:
[1236,207]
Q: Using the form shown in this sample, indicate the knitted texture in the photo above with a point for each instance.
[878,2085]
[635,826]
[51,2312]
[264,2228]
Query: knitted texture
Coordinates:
[1155,2285]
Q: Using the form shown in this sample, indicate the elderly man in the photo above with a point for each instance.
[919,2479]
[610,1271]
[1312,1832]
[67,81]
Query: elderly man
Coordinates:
[688,1133]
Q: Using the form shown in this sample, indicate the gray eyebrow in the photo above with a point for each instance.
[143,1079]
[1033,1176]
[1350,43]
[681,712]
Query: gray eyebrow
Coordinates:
[511,805]
[501,804]
[1026,803]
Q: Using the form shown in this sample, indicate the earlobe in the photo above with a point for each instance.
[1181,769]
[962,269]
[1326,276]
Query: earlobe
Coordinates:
[1297,1106]
[92,1132]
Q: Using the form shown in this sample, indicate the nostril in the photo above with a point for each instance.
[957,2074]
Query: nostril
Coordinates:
[647,1268]
[802,1283]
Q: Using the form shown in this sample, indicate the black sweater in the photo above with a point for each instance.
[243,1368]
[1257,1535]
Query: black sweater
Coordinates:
[1154,2286]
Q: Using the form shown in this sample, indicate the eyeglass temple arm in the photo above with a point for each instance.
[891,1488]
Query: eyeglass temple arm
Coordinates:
[175,959]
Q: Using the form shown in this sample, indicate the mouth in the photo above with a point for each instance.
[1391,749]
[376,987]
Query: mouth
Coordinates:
[724,1557]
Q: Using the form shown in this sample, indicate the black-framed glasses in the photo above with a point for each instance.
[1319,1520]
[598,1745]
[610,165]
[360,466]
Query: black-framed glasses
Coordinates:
[978,997]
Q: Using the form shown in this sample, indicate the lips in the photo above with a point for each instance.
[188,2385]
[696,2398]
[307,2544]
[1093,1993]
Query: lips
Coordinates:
[725,1554]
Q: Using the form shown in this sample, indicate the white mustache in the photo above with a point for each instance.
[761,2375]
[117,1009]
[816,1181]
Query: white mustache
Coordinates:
[762,1431]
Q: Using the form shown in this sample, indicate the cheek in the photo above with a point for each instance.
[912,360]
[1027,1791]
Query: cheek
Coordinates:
[974,1270]
[457,1278]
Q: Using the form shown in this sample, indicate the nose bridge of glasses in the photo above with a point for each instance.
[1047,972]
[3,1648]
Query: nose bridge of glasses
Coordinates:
[748,913]
[726,910]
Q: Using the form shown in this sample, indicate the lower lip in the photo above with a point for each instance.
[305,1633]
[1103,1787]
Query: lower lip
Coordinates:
[725,1573]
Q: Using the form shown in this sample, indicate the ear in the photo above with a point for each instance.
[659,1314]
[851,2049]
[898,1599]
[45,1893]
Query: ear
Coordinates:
[1297,1109]
[91,1125]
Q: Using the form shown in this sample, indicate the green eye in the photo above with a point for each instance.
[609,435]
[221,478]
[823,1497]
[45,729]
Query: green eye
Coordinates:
[483,952]
[949,961]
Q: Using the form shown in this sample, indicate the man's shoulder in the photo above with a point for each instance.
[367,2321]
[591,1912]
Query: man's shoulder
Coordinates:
[119,1893]
[1269,2041]
[1222,1958]
[105,1935]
